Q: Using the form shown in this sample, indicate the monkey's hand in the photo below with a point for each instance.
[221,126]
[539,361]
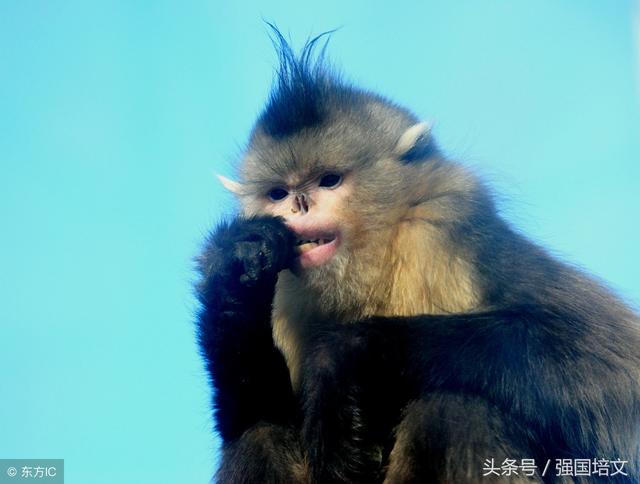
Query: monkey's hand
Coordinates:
[239,267]
[246,254]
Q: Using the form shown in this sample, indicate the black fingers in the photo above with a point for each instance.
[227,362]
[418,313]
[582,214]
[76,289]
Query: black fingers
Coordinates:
[264,245]
[249,251]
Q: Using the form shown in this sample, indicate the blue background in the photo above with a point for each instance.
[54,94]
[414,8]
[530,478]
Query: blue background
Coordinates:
[114,116]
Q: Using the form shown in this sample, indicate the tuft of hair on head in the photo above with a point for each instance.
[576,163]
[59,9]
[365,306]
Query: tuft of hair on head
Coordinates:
[302,82]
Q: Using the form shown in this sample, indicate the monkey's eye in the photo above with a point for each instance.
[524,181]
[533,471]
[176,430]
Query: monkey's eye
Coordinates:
[277,194]
[330,180]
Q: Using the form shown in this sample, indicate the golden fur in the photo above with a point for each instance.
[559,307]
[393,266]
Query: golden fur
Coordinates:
[414,273]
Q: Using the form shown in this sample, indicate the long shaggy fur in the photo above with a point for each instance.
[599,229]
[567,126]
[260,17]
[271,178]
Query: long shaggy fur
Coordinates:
[436,337]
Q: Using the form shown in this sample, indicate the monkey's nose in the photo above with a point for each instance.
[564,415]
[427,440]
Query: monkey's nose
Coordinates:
[300,204]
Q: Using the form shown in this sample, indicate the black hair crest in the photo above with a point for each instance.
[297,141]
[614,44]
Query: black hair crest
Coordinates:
[302,84]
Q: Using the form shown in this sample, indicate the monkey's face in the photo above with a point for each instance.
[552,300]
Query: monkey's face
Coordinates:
[310,209]
[314,208]
[341,187]
[343,184]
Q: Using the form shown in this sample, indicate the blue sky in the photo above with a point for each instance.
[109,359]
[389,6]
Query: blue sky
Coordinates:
[114,116]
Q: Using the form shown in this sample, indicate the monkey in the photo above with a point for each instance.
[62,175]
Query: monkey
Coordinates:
[370,317]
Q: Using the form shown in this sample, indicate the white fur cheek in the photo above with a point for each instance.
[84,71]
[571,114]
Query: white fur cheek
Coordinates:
[280,209]
[252,207]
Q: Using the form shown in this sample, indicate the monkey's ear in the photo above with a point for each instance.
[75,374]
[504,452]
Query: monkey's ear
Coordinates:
[415,143]
[233,186]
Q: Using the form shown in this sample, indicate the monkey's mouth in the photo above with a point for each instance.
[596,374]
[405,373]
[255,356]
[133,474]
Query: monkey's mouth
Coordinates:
[315,252]
[307,245]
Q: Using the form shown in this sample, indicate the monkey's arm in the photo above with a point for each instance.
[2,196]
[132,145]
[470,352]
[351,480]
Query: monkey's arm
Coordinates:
[529,368]
[239,266]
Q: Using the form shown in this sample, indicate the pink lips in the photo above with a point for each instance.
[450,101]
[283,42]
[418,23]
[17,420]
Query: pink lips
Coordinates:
[319,255]
[317,243]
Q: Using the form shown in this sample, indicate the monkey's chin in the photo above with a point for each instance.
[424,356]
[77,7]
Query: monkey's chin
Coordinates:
[318,255]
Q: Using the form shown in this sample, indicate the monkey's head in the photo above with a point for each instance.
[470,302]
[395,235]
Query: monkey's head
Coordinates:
[344,167]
